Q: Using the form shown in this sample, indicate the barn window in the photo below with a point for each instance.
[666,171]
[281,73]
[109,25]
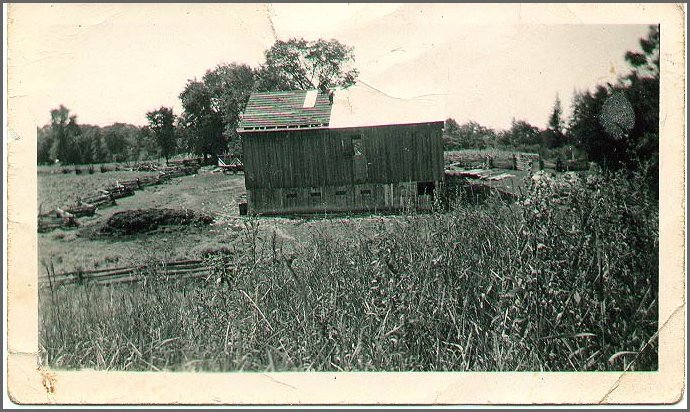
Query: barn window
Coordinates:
[425,188]
[340,192]
[347,146]
[365,191]
[290,195]
[357,147]
[315,193]
[352,145]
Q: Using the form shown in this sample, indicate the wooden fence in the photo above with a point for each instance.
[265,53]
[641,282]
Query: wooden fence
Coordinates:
[185,269]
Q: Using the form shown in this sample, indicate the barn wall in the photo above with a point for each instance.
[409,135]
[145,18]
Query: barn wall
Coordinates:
[369,197]
[306,162]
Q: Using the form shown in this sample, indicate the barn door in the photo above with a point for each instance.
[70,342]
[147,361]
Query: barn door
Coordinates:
[359,160]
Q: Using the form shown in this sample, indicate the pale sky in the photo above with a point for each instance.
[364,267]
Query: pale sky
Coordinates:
[489,63]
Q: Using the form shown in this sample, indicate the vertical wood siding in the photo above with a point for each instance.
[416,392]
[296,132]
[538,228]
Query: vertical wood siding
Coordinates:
[303,162]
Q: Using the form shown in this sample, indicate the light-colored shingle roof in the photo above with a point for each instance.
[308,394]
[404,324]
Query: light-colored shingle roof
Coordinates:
[356,106]
[284,110]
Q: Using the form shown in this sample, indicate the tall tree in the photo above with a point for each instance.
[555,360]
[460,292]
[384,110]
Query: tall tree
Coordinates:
[521,134]
[44,144]
[212,107]
[618,125]
[230,86]
[202,120]
[641,88]
[115,143]
[470,135]
[96,145]
[162,126]
[64,130]
[297,64]
[553,136]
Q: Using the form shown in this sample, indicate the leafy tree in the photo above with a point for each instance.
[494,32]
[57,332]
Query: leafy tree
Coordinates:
[99,152]
[521,134]
[641,88]
[230,86]
[115,143]
[587,131]
[297,64]
[450,133]
[212,108]
[162,127]
[470,135]
[44,143]
[70,143]
[202,120]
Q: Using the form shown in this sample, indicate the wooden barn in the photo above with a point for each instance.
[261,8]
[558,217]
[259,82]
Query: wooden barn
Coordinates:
[349,150]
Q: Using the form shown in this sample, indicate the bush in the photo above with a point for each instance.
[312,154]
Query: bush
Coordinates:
[130,222]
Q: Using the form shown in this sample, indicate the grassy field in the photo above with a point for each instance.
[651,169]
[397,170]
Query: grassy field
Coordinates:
[70,249]
[564,279]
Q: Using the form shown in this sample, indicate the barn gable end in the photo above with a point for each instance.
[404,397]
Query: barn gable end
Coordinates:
[296,163]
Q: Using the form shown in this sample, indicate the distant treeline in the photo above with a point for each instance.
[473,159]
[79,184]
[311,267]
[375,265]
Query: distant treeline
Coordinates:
[70,143]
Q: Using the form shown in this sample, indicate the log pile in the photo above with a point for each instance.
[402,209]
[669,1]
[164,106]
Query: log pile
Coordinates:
[118,191]
[530,162]
[98,200]
[84,209]
[55,219]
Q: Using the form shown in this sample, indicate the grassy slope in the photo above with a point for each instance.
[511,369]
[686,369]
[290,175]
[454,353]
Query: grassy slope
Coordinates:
[216,194]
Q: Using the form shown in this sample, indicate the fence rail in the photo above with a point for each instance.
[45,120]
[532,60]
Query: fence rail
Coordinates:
[170,270]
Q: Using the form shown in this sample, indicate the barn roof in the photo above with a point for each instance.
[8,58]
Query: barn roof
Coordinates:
[356,106]
[285,110]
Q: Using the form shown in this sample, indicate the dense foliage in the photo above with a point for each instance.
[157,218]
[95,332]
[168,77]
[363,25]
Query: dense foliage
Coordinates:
[297,64]
[212,108]
[67,142]
[618,125]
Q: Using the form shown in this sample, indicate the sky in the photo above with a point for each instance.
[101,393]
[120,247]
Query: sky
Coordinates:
[114,62]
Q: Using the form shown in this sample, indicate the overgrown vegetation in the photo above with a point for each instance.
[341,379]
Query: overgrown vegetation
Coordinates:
[564,279]
[130,222]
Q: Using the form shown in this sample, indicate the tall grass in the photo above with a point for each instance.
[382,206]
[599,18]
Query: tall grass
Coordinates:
[566,279]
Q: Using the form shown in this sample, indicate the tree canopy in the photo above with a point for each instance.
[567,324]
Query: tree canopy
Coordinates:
[67,142]
[212,108]
[298,64]
[212,105]
[618,125]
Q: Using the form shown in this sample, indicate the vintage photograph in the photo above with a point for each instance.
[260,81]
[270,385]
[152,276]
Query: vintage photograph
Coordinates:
[342,188]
